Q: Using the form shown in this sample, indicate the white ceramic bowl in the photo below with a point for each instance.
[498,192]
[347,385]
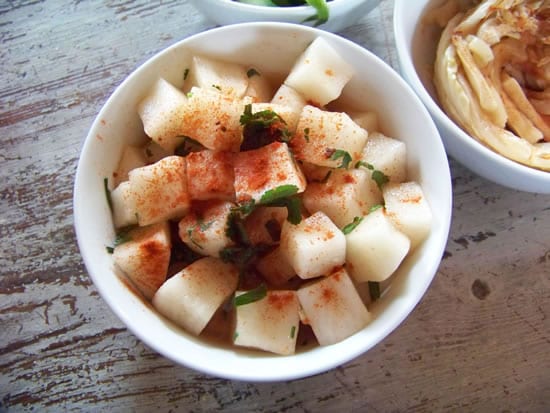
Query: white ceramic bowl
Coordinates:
[268,47]
[415,64]
[342,13]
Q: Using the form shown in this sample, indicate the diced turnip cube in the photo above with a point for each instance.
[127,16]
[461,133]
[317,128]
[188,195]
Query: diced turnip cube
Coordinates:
[160,190]
[259,89]
[144,256]
[328,138]
[313,247]
[333,308]
[204,230]
[320,73]
[275,268]
[161,112]
[132,157]
[124,205]
[210,175]
[375,248]
[409,210]
[191,297]
[367,120]
[213,119]
[345,195]
[267,168]
[387,155]
[287,113]
[269,324]
[263,225]
[287,96]
[225,77]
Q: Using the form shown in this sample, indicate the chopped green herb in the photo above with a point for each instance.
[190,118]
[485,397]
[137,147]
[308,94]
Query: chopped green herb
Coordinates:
[110,250]
[189,94]
[235,335]
[352,225]
[185,73]
[217,87]
[252,72]
[364,164]
[292,331]
[123,235]
[282,191]
[374,290]
[306,134]
[251,296]
[335,154]
[235,229]
[379,177]
[375,207]
[108,193]
[262,128]
[190,235]
[187,146]
[293,205]
[322,12]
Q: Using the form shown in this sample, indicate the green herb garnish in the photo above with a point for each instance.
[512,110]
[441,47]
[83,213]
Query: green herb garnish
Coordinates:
[374,290]
[282,191]
[352,225]
[251,296]
[109,250]
[336,154]
[320,6]
[375,207]
[108,193]
[292,331]
[322,12]
[377,176]
[217,87]
[293,206]
[252,72]
[262,128]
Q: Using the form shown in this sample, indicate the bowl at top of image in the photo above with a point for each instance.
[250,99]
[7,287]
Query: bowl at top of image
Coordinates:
[270,48]
[417,35]
[342,13]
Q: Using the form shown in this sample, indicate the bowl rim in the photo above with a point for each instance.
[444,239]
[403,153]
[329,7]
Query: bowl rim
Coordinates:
[330,358]
[291,10]
[529,179]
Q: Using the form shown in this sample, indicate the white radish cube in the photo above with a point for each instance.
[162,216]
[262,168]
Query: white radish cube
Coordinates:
[259,88]
[225,77]
[287,113]
[320,73]
[409,210]
[161,112]
[191,297]
[213,119]
[375,248]
[266,168]
[263,225]
[287,96]
[323,138]
[160,190]
[313,247]
[367,120]
[345,195]
[132,158]
[275,268]
[144,255]
[387,155]
[203,229]
[210,175]
[124,205]
[333,308]
[269,324]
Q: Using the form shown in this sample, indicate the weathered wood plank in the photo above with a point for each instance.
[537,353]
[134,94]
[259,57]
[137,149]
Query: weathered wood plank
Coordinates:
[478,341]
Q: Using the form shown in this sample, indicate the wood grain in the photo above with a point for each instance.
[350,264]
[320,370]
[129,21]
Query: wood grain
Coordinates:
[478,341]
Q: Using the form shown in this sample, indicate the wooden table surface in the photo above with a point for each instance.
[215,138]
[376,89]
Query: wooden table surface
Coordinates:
[478,341]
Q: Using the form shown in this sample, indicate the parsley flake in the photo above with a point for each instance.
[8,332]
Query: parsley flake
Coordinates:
[251,296]
[352,225]
[336,154]
[282,191]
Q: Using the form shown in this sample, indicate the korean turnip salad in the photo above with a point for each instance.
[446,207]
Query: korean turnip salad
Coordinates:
[263,214]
